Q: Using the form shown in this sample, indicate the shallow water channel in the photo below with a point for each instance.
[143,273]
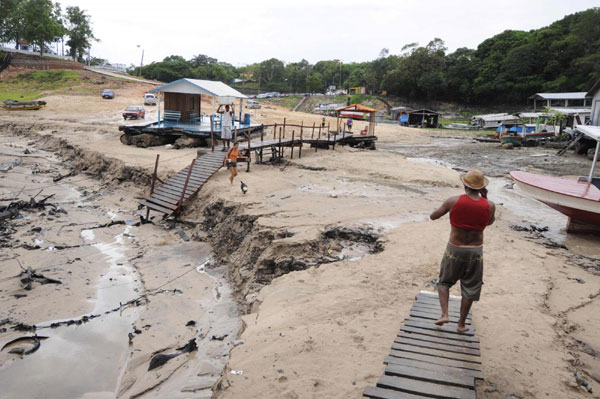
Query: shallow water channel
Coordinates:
[86,359]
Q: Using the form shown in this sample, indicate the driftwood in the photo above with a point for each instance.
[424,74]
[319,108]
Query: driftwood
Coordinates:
[29,276]
[12,210]
[60,177]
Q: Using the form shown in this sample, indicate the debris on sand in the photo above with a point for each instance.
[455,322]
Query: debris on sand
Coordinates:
[34,340]
[29,276]
[5,167]
[160,359]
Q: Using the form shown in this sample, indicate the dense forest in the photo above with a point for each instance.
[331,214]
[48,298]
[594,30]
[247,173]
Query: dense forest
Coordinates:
[42,22]
[508,67]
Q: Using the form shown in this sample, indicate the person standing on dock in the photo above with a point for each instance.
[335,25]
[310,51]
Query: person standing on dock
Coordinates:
[470,214]
[226,121]
[232,157]
[349,124]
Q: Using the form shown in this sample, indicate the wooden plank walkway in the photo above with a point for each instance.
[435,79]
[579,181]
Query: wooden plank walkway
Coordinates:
[287,141]
[427,361]
[169,197]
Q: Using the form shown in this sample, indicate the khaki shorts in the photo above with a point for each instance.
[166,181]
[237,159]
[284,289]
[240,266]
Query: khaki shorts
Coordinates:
[466,265]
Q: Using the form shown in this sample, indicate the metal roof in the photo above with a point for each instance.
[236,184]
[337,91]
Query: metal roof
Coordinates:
[531,114]
[580,95]
[357,108]
[197,86]
[572,111]
[497,117]
[592,131]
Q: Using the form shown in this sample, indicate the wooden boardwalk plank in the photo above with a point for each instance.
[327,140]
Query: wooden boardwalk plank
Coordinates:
[162,197]
[436,352]
[445,328]
[425,388]
[433,316]
[382,393]
[441,334]
[434,367]
[439,346]
[164,204]
[436,376]
[155,207]
[436,309]
[439,340]
[433,360]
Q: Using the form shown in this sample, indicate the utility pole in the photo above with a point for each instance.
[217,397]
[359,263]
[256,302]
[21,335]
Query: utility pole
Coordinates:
[340,88]
[141,62]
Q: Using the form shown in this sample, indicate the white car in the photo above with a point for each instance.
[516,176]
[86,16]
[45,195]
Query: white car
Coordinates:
[252,104]
[149,99]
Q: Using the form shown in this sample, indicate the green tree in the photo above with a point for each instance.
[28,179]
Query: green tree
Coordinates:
[271,72]
[79,30]
[316,83]
[40,22]
[11,20]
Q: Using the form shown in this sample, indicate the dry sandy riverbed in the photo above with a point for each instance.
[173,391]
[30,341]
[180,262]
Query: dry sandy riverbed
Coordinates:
[324,256]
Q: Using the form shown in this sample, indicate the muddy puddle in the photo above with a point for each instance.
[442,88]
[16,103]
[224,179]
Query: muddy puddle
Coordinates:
[104,260]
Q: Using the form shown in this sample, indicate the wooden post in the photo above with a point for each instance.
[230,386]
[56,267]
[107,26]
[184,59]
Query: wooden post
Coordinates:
[234,133]
[280,154]
[262,131]
[249,148]
[154,176]
[344,133]
[334,139]
[187,179]
[313,131]
[328,129]
[318,137]
[284,127]
[292,153]
[328,142]
[300,149]
[275,131]
[212,136]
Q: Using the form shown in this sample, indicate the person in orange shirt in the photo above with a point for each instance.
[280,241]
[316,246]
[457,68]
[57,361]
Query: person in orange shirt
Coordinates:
[232,157]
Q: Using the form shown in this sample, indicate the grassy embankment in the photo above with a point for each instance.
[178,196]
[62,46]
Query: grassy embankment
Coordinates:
[32,85]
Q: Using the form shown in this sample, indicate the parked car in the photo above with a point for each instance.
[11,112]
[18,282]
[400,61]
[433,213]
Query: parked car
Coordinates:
[108,94]
[149,99]
[252,104]
[263,95]
[134,112]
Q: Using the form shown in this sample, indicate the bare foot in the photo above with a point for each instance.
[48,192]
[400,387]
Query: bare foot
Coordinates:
[442,320]
[462,328]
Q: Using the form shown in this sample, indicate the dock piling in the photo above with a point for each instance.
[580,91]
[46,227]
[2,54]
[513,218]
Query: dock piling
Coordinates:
[292,152]
[187,180]
[154,176]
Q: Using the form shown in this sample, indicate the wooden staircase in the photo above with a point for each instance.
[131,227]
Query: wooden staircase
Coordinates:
[170,196]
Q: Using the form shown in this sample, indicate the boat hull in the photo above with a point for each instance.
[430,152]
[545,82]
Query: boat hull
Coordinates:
[582,207]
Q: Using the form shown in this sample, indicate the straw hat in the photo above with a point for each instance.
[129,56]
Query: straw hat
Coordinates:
[474,179]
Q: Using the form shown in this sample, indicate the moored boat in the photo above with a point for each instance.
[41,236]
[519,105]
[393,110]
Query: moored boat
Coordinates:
[579,199]
[13,105]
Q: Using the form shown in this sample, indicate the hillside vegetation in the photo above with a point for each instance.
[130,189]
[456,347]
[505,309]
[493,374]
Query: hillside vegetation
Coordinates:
[31,85]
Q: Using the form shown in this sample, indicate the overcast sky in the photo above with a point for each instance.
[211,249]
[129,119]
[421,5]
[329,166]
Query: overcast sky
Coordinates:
[243,32]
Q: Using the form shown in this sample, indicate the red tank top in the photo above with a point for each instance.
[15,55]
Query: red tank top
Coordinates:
[469,214]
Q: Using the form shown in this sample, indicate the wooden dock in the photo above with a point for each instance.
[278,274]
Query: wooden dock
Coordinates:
[427,361]
[169,197]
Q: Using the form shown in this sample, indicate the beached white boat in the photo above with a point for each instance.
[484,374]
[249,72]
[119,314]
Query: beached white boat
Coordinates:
[579,199]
